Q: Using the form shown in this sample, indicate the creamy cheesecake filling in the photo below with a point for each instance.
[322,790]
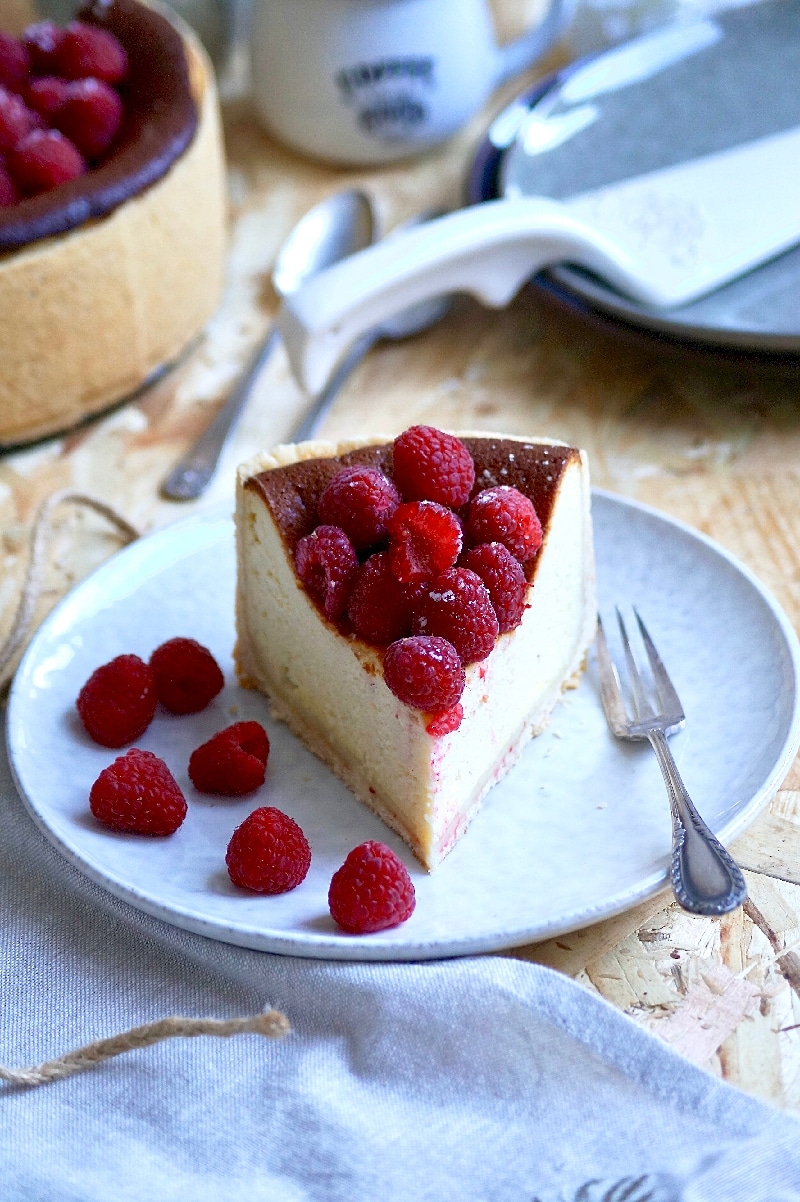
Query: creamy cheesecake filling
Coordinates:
[328,685]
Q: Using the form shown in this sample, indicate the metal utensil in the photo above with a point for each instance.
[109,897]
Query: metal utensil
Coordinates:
[705,878]
[339,226]
[662,238]
[402,325]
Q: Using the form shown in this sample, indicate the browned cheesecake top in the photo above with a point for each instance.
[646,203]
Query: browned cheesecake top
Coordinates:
[159,123]
[292,492]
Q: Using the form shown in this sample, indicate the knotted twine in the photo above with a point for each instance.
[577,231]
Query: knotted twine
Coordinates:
[271,1023]
[37,561]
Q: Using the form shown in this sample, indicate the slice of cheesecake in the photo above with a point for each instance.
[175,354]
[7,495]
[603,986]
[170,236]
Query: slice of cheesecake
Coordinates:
[327,683]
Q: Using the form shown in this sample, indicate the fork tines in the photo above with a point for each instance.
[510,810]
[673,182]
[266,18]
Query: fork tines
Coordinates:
[653,696]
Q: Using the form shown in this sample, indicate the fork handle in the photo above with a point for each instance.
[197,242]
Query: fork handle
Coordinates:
[705,878]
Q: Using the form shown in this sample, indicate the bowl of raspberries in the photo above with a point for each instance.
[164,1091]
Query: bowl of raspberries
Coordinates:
[62,105]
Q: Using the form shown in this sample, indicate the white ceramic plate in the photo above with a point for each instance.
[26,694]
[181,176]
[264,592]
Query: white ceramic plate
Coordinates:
[578,831]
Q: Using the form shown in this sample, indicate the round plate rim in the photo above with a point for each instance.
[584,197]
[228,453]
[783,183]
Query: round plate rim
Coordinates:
[345,948]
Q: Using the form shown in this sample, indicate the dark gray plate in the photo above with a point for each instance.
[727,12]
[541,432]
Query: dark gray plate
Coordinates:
[680,92]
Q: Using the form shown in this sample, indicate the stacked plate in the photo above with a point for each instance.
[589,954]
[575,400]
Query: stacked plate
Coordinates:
[685,90]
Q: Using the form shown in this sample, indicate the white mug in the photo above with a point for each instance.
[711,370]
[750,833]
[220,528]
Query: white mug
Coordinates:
[369,81]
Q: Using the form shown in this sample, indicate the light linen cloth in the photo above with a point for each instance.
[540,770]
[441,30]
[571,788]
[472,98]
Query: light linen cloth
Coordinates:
[482,1078]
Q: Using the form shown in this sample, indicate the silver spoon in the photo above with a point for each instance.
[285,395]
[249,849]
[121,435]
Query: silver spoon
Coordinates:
[402,325]
[335,228]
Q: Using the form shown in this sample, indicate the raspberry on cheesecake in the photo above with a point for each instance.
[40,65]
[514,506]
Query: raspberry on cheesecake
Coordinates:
[111,207]
[418,684]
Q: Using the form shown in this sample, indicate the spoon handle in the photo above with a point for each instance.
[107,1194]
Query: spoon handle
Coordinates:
[193,472]
[322,402]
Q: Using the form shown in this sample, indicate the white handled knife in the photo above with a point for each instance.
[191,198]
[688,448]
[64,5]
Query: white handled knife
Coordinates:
[664,239]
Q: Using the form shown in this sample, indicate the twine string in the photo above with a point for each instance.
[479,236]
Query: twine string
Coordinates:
[34,576]
[272,1024]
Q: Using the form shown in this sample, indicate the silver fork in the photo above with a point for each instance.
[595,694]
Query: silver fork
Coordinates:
[705,878]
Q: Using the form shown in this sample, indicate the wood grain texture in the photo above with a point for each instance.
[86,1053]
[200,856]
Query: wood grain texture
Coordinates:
[714,443]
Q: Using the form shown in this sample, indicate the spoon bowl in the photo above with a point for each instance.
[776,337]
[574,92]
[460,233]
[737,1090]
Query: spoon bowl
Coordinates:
[395,328]
[339,226]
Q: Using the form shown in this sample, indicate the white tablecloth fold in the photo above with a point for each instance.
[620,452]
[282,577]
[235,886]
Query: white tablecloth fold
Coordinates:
[484,1078]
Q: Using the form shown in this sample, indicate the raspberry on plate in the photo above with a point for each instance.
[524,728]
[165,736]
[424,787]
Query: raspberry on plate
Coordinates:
[268,853]
[43,160]
[118,701]
[15,63]
[430,465]
[90,116]
[372,890]
[504,578]
[457,607]
[233,762]
[360,500]
[379,607]
[425,672]
[16,120]
[138,794]
[85,50]
[187,675]
[504,515]
[424,540]
[326,563]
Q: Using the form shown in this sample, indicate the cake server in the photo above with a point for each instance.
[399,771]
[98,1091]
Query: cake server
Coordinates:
[663,238]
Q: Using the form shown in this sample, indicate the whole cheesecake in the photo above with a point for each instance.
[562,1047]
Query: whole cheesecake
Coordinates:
[110,276]
[327,683]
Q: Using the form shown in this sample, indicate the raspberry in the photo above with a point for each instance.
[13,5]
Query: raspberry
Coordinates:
[424,672]
[187,676]
[85,50]
[446,723]
[430,465]
[90,116]
[268,853]
[16,120]
[504,578]
[42,42]
[44,160]
[8,189]
[47,94]
[233,762]
[138,793]
[457,607]
[371,891]
[326,563]
[379,607]
[15,63]
[118,701]
[504,515]
[360,500]
[424,540]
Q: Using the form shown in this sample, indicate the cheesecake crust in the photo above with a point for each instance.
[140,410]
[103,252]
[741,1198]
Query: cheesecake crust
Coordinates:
[292,495]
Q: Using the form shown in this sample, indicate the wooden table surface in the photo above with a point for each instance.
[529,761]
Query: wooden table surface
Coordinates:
[714,443]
